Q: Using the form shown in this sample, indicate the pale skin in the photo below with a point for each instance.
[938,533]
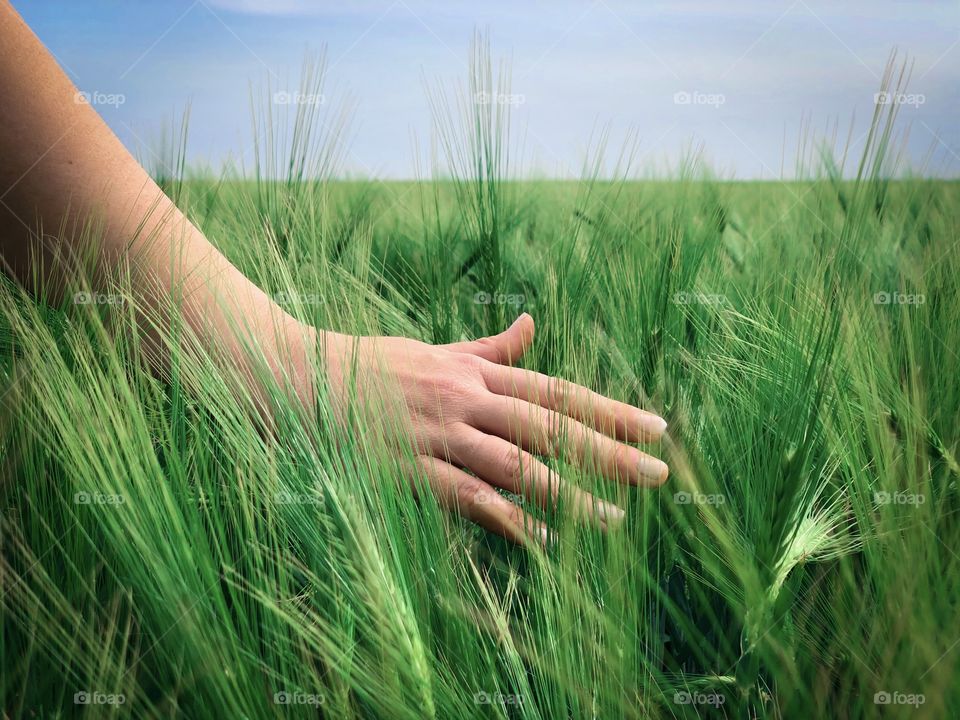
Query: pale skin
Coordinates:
[475,422]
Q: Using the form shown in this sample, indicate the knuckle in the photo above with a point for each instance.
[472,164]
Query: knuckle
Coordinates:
[473,493]
[456,442]
[449,385]
[470,362]
[458,383]
[455,399]
[511,466]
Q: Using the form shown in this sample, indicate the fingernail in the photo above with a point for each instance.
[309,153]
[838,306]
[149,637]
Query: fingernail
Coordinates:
[654,469]
[608,512]
[653,424]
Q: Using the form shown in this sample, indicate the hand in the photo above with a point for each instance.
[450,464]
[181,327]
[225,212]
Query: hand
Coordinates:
[477,423]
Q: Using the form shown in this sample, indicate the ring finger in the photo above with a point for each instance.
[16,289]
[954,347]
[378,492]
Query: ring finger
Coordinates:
[507,466]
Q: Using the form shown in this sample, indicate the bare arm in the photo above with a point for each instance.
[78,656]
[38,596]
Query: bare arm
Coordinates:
[476,422]
[63,168]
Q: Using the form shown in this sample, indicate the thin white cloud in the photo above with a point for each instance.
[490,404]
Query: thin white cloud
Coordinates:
[681,10]
[270,7]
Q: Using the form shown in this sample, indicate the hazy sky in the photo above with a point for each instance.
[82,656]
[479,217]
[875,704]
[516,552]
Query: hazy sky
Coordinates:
[737,77]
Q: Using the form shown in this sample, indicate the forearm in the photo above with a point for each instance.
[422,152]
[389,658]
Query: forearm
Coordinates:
[64,170]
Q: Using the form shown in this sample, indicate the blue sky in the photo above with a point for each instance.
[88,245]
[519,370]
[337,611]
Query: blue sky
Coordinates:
[739,79]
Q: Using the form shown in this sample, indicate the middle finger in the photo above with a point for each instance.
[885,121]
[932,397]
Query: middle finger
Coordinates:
[546,432]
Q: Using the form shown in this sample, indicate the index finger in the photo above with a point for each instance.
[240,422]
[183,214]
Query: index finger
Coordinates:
[611,417]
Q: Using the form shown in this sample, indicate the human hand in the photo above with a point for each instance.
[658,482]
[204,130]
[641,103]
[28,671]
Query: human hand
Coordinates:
[477,424]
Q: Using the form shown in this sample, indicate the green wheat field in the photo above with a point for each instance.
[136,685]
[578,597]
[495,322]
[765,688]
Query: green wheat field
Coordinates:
[165,556]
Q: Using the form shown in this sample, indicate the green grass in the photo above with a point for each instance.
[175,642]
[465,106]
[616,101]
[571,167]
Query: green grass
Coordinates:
[158,544]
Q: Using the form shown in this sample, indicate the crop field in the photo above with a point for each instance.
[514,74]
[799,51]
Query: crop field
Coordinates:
[162,545]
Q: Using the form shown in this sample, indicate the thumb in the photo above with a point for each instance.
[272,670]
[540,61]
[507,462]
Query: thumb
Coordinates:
[505,348]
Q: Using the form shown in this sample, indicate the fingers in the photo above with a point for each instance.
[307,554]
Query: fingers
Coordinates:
[478,502]
[545,432]
[610,417]
[503,349]
[507,466]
